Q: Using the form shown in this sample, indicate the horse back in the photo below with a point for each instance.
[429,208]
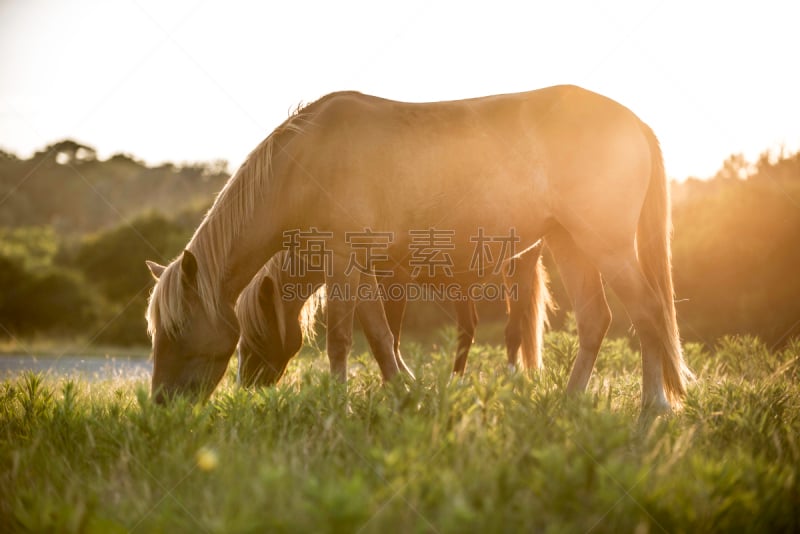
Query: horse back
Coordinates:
[534,156]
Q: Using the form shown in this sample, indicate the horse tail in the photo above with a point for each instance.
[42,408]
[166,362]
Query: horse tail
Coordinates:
[653,238]
[533,316]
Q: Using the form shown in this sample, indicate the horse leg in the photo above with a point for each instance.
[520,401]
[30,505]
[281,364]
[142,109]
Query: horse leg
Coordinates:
[341,305]
[467,319]
[585,291]
[624,274]
[372,316]
[513,331]
[395,310]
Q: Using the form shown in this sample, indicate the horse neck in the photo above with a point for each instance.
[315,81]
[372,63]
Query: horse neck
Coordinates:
[305,280]
[291,315]
[244,227]
[239,254]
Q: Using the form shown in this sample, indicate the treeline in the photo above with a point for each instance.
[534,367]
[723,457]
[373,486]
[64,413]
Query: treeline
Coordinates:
[66,187]
[737,250]
[75,231]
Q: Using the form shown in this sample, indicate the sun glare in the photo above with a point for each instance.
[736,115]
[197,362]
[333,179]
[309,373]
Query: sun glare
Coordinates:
[201,81]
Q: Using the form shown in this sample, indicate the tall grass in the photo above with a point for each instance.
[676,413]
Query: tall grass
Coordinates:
[492,452]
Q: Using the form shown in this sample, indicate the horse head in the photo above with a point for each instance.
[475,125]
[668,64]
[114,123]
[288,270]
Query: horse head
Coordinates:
[271,333]
[192,342]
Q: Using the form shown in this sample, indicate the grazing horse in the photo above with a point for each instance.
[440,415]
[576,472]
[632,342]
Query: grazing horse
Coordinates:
[273,327]
[273,324]
[563,163]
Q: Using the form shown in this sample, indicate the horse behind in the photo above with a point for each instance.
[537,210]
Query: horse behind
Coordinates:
[274,322]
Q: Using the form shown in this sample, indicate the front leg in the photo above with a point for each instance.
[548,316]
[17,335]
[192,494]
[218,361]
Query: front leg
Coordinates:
[395,309]
[467,319]
[341,291]
[376,328]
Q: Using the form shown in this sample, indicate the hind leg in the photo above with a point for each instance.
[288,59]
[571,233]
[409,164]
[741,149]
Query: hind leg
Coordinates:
[622,271]
[520,287]
[585,290]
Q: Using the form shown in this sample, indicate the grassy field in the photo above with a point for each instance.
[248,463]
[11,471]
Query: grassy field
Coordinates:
[493,452]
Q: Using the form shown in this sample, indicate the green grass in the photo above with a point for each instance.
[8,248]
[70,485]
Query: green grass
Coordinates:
[491,453]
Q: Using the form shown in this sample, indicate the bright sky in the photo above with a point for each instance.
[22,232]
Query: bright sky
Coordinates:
[189,81]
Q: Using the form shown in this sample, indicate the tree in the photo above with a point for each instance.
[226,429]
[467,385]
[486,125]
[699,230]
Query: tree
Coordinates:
[114,260]
[51,301]
[735,167]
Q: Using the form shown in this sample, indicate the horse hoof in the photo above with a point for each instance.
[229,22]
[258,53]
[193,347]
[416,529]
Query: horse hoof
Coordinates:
[654,410]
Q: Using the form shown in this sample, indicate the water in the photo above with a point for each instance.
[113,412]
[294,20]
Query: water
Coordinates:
[92,368]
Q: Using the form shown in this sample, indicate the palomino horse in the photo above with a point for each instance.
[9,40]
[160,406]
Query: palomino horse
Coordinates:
[274,323]
[560,162]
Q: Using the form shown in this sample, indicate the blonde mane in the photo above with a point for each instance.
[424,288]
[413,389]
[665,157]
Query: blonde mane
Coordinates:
[213,239]
[251,315]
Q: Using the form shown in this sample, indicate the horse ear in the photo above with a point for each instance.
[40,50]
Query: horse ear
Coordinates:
[155,269]
[189,267]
